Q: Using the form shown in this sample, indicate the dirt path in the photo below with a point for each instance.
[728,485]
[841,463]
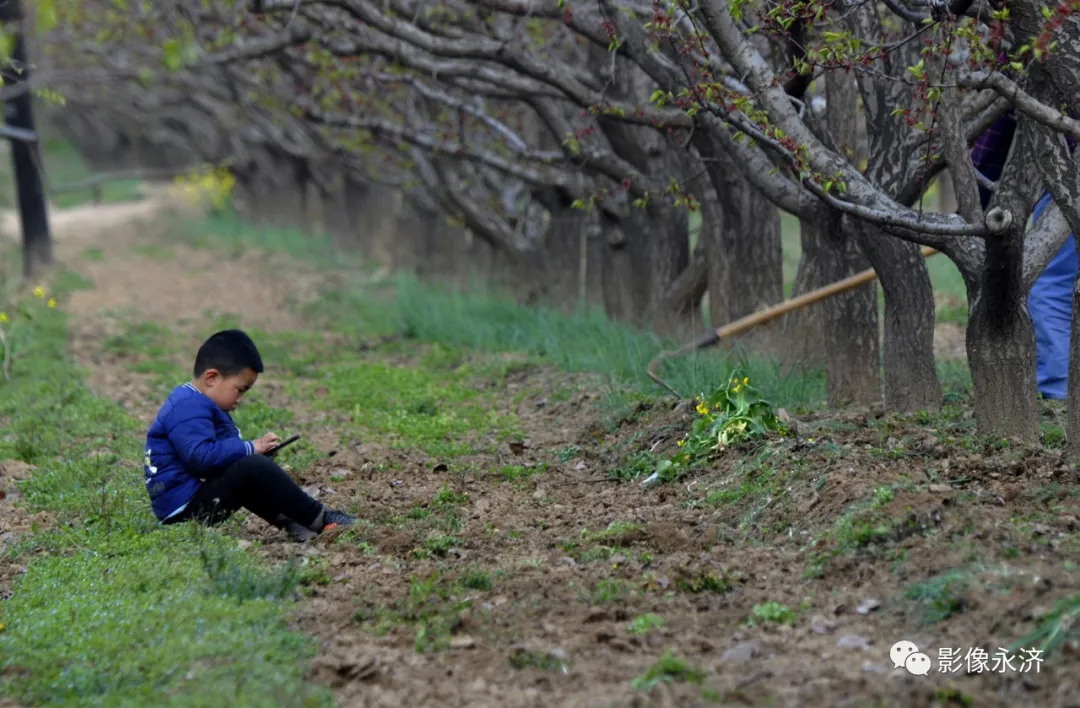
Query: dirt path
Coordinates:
[527,577]
[138,269]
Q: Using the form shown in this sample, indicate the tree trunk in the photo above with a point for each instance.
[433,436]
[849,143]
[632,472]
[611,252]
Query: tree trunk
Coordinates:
[657,238]
[748,252]
[753,236]
[911,382]
[660,246]
[1001,356]
[596,252]
[29,187]
[740,231]
[851,332]
[620,302]
[644,254]
[559,278]
[683,296]
[804,328]
[718,275]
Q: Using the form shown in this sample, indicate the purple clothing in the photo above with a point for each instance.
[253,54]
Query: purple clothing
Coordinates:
[992,149]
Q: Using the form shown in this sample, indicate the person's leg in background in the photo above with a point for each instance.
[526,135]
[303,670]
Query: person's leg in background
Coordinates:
[1050,307]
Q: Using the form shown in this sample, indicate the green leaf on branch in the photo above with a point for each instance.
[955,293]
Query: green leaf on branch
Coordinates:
[177,53]
[7,44]
[171,54]
[571,142]
[46,16]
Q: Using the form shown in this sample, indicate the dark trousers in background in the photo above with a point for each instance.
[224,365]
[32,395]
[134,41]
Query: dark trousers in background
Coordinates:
[255,483]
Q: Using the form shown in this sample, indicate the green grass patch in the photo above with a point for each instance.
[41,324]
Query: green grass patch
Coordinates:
[230,232]
[113,609]
[668,669]
[431,610]
[140,339]
[146,619]
[940,597]
[643,624]
[578,342]
[153,250]
[771,612]
[864,526]
[410,407]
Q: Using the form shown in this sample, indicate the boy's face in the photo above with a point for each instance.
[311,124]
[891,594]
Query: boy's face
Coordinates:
[226,391]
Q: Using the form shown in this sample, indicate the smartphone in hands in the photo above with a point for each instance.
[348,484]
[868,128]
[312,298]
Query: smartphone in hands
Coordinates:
[282,445]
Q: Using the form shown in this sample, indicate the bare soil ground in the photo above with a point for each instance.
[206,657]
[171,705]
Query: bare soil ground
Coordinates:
[530,577]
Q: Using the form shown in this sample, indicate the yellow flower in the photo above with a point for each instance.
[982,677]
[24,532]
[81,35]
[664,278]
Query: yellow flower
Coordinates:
[735,388]
[681,443]
[746,381]
[3,317]
[52,302]
[39,292]
[1,626]
[702,408]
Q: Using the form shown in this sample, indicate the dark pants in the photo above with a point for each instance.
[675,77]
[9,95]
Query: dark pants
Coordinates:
[257,484]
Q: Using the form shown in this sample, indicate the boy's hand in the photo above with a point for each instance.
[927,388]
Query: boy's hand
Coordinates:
[266,443]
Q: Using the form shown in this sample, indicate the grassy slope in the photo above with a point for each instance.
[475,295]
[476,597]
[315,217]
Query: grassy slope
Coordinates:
[581,343]
[111,607]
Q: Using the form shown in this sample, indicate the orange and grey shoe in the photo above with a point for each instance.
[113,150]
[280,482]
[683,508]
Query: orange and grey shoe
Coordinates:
[333,519]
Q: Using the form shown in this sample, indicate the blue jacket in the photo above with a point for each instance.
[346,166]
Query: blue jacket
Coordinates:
[190,441]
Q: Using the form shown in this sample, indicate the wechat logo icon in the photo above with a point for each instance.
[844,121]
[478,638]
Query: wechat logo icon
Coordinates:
[906,654]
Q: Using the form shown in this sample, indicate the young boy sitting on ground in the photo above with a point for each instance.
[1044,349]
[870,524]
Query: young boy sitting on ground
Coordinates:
[197,465]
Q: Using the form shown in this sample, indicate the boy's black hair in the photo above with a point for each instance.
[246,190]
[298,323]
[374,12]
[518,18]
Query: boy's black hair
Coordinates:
[230,352]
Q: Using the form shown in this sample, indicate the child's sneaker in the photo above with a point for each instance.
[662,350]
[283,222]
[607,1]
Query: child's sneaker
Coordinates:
[296,531]
[333,519]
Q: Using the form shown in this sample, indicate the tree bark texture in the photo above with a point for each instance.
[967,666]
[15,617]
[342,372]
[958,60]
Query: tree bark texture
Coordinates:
[804,328]
[1001,357]
[25,157]
[911,382]
[850,323]
[839,334]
